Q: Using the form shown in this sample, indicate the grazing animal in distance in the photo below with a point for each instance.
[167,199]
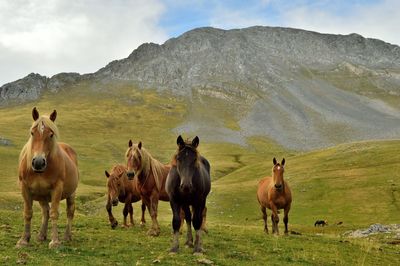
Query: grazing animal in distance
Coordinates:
[151,176]
[48,172]
[120,189]
[274,193]
[188,184]
[320,223]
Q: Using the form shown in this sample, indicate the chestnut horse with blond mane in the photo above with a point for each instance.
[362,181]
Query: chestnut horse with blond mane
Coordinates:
[121,189]
[274,193]
[151,176]
[48,172]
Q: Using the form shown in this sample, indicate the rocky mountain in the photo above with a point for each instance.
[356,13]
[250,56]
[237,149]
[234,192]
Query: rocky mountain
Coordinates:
[302,89]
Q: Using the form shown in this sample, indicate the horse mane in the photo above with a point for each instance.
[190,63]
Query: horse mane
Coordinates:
[26,152]
[150,165]
[118,169]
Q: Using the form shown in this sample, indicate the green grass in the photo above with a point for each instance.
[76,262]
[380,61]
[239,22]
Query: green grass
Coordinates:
[356,183]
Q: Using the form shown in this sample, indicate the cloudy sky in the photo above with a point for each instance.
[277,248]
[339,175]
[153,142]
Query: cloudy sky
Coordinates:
[52,36]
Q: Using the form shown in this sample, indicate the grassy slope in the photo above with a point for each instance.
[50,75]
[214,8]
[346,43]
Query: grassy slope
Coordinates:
[354,183]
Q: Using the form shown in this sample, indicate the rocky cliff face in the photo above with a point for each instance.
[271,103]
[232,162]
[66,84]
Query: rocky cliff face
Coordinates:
[32,86]
[302,89]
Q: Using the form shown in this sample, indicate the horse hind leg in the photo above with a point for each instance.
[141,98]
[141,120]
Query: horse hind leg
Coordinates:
[265,217]
[188,218]
[45,221]
[203,223]
[70,217]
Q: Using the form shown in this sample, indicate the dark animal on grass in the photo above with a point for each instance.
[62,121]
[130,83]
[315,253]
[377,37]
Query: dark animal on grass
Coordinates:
[48,172]
[151,176]
[320,223]
[188,185]
[274,193]
[120,189]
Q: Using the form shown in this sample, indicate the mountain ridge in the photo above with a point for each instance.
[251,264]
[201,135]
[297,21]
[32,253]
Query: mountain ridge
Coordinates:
[303,89]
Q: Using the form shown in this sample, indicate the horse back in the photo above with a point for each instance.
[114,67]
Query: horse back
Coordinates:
[69,152]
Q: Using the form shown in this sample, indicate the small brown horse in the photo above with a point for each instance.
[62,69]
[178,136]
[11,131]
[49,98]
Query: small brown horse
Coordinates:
[274,193]
[48,172]
[151,176]
[120,189]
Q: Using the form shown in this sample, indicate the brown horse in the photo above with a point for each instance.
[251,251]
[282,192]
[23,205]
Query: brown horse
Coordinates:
[120,189]
[48,172]
[274,193]
[151,176]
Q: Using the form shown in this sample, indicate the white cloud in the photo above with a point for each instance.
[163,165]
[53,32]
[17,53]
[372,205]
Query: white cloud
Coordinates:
[51,36]
[379,20]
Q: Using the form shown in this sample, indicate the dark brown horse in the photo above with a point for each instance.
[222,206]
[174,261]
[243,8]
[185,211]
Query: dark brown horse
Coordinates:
[188,184]
[120,189]
[274,193]
[151,176]
[48,172]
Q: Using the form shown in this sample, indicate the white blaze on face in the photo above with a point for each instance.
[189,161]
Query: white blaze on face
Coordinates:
[41,128]
[278,168]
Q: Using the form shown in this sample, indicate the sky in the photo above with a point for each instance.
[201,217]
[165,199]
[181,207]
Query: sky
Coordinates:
[53,36]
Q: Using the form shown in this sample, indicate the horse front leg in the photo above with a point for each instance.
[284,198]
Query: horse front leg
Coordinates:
[203,224]
[111,218]
[55,203]
[45,221]
[143,220]
[155,230]
[125,212]
[274,219]
[26,236]
[176,224]
[286,218]
[70,217]
[132,222]
[197,221]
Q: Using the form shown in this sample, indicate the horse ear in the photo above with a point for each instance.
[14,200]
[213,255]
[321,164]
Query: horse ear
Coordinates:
[140,145]
[35,114]
[274,161]
[283,162]
[53,115]
[107,174]
[130,143]
[195,142]
[180,142]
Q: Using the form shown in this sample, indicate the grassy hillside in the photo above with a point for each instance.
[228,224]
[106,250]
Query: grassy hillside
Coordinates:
[353,183]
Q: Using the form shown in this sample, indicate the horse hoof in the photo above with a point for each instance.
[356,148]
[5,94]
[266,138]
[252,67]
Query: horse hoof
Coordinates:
[189,244]
[41,238]
[54,244]
[153,232]
[22,243]
[173,250]
[114,224]
[198,251]
[67,237]
[142,224]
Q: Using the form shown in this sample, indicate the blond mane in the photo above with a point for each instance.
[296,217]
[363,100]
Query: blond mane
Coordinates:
[149,165]
[26,152]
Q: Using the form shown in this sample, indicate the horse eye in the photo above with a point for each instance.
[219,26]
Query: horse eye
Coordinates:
[51,135]
[31,133]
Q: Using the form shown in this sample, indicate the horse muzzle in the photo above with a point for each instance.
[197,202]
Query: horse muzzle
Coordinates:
[130,175]
[279,187]
[186,188]
[39,164]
